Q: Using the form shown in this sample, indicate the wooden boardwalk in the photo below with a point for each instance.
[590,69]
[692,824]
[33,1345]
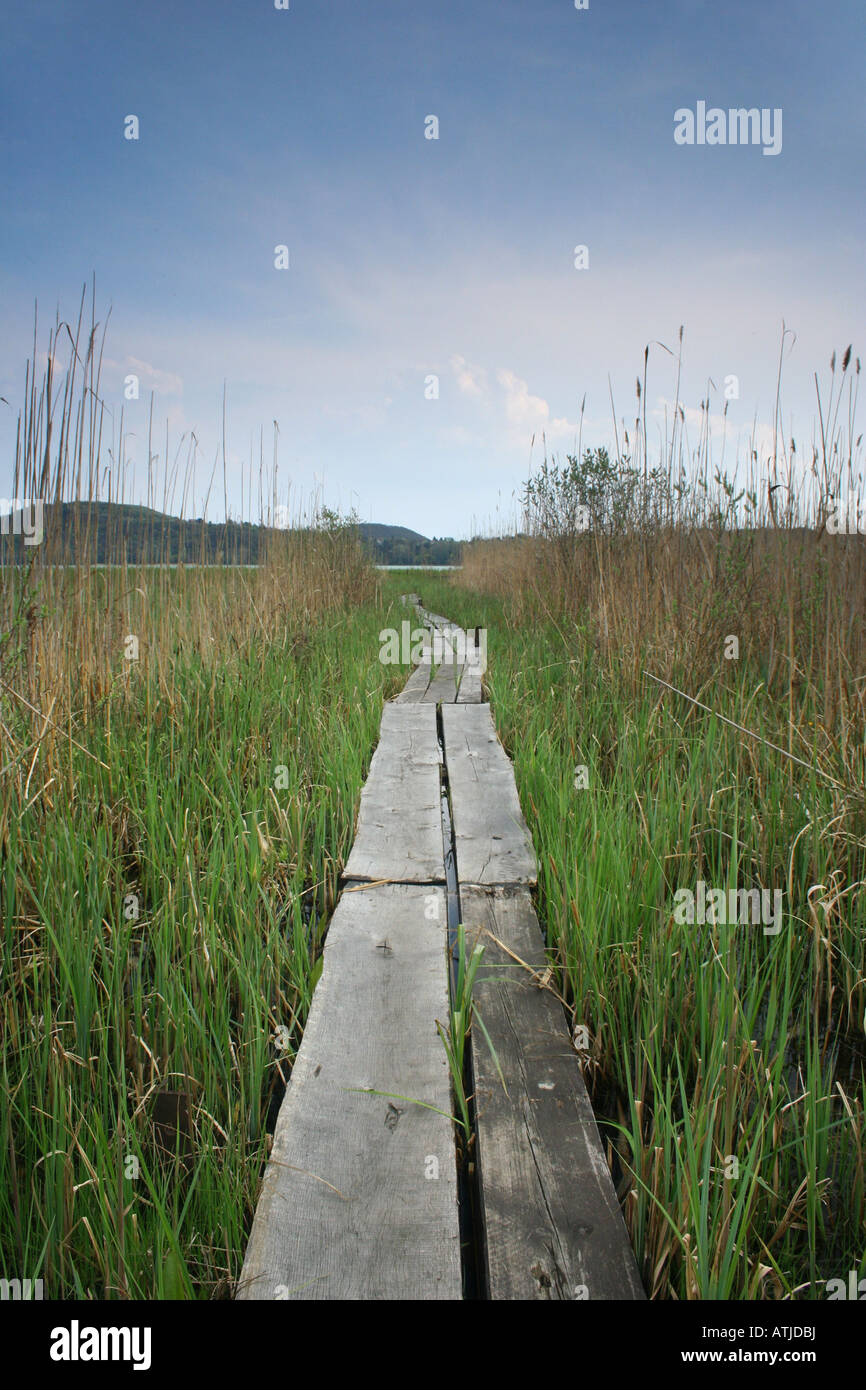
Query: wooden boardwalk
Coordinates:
[348,1208]
[360,1196]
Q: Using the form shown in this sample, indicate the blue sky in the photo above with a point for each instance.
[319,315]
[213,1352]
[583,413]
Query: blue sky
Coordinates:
[412,257]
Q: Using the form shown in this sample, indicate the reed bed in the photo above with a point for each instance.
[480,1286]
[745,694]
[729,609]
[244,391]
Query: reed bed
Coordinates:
[726,1062]
[181,755]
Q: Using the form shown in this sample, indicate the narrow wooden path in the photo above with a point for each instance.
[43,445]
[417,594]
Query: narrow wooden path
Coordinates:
[360,1196]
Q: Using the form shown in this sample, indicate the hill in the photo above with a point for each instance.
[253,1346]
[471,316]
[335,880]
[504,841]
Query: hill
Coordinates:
[143,535]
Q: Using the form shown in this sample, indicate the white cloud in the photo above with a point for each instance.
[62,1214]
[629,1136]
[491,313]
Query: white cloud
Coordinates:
[529,414]
[152,378]
[471,381]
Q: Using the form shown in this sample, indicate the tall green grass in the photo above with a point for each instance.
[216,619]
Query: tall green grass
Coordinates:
[146,1038]
[181,757]
[714,1051]
[728,1064]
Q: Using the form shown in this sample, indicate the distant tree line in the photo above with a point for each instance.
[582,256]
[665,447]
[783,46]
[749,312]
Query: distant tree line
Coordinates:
[399,550]
[103,533]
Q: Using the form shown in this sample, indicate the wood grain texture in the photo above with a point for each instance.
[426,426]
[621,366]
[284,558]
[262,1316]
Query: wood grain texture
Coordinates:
[553,1224]
[491,837]
[470,692]
[399,831]
[348,1207]
[445,685]
[470,686]
[414,689]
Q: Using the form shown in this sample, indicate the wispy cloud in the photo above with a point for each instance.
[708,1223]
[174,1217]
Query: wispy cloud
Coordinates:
[411,257]
[150,378]
[527,413]
[471,381]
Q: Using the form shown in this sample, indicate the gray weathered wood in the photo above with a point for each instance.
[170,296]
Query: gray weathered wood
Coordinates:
[399,831]
[492,841]
[349,1206]
[359,1197]
[470,686]
[419,680]
[553,1224]
[415,686]
[445,684]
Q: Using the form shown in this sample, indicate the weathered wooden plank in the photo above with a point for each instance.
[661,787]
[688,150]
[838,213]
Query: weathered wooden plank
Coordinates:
[470,687]
[359,1199]
[554,1228]
[399,831]
[415,686]
[492,841]
[445,684]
